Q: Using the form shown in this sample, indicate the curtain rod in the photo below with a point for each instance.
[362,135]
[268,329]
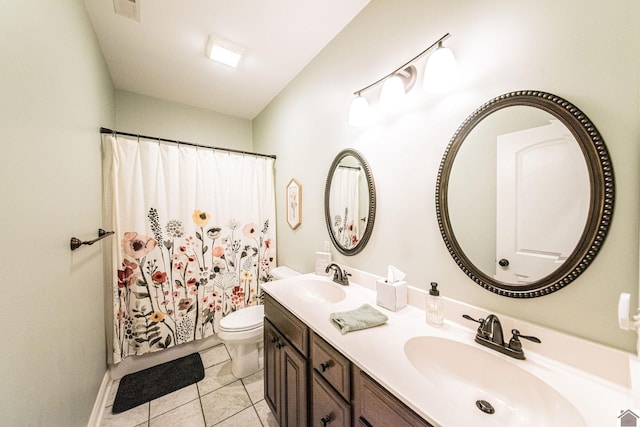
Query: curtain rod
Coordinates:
[231,150]
[349,167]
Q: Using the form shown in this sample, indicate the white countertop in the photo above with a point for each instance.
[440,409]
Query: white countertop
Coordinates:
[380,353]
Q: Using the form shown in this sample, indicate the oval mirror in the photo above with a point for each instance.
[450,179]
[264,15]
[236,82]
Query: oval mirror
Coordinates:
[524,195]
[349,202]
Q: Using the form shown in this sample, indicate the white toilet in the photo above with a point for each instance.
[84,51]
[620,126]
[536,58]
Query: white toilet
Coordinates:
[242,332]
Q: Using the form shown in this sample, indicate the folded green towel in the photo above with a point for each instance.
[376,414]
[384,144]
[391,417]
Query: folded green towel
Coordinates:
[360,318]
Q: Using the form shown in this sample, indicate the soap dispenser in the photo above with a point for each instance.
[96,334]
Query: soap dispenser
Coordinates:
[435,307]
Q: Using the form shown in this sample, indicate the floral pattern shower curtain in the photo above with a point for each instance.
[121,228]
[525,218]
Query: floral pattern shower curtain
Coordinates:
[195,239]
[345,205]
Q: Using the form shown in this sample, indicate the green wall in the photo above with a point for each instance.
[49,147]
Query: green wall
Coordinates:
[150,116]
[586,52]
[55,93]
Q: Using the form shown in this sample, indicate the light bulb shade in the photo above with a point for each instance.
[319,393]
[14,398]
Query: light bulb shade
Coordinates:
[359,113]
[441,71]
[392,94]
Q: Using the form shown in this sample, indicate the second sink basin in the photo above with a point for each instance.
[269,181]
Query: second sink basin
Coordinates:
[317,290]
[476,382]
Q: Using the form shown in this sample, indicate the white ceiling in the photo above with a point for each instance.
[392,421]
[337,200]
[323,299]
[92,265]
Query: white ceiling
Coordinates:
[163,55]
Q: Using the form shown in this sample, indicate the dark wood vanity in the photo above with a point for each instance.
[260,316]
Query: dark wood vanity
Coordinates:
[307,382]
[286,366]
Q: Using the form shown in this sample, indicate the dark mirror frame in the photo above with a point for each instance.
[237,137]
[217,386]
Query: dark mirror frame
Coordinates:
[371,216]
[601,202]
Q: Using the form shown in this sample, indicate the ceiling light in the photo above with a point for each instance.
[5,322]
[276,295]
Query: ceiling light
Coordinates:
[223,51]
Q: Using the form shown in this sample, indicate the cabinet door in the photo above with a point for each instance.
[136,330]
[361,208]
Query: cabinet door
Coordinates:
[373,406]
[272,370]
[328,409]
[294,387]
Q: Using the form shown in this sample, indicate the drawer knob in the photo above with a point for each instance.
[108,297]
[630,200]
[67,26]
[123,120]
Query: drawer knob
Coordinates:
[279,345]
[326,365]
[275,339]
[325,420]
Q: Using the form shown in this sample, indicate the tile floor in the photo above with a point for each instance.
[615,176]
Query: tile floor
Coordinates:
[220,400]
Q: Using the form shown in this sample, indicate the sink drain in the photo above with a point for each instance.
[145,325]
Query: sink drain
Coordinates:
[485,406]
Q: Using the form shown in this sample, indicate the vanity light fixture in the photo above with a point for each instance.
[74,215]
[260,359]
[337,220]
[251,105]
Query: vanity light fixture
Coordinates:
[392,94]
[440,71]
[359,113]
[396,87]
[223,51]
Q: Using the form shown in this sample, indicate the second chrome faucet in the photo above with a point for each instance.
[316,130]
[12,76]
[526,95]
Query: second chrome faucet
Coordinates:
[340,276]
[490,335]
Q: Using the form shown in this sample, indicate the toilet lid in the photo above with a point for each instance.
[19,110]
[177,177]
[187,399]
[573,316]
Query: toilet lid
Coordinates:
[244,319]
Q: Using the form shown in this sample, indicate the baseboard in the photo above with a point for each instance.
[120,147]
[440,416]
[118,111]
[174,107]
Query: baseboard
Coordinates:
[101,401]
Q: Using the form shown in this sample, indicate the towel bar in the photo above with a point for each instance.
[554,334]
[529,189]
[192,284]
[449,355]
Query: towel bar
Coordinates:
[76,243]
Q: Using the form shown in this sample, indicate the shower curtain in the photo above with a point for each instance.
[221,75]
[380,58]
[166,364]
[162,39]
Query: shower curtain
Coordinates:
[195,238]
[345,205]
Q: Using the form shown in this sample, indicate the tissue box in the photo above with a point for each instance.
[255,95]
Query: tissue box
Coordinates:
[392,296]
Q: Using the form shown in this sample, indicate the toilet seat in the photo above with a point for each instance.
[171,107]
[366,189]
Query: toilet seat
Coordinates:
[245,319]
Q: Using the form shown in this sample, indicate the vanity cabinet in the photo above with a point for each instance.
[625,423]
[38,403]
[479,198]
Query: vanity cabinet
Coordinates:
[307,382]
[286,370]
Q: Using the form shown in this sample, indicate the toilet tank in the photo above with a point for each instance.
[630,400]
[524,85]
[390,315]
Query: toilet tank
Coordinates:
[283,272]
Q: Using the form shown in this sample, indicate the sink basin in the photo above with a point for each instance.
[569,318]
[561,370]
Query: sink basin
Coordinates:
[470,379]
[316,290]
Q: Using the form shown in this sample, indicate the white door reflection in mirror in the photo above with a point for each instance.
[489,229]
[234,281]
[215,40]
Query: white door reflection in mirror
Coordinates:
[542,201]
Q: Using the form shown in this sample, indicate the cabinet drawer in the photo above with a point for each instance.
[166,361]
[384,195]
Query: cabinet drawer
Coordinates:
[328,409]
[331,365]
[290,326]
[376,407]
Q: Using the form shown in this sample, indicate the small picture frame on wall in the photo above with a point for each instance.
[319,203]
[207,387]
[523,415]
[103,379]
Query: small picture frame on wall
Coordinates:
[294,204]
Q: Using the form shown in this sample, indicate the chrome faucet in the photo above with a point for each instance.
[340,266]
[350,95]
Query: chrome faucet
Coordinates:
[340,276]
[490,335]
[491,329]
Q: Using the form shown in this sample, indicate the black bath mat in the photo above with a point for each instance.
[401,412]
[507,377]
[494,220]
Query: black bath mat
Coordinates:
[144,386]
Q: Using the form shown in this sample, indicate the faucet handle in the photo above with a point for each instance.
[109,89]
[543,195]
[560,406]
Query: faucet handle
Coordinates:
[516,333]
[515,344]
[481,320]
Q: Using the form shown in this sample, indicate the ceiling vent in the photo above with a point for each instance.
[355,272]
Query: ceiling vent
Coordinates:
[128,8]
